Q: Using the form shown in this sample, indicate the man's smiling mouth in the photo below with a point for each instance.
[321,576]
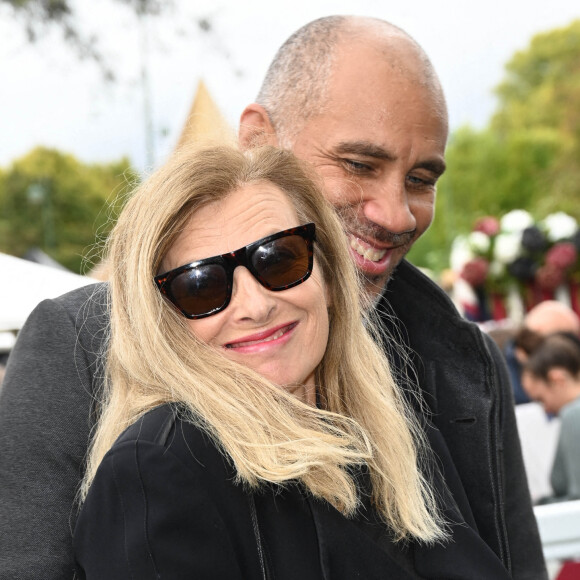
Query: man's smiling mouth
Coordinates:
[366,250]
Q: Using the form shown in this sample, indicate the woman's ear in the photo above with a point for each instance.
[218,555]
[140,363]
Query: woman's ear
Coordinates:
[256,128]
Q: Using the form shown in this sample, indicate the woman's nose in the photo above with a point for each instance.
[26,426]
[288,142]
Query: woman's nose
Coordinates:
[250,300]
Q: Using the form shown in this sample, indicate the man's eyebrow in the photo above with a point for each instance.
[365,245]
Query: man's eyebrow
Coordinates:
[436,166]
[363,148]
[366,149]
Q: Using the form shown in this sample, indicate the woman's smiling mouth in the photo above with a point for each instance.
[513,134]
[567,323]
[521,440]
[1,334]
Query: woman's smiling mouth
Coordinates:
[278,335]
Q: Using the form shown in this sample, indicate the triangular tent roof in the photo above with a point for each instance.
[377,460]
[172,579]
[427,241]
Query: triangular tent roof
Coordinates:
[205,122]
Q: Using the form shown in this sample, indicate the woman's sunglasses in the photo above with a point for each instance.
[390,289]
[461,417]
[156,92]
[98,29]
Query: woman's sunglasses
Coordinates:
[277,262]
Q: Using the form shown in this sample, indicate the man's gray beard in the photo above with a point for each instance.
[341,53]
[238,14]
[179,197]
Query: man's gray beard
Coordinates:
[370,298]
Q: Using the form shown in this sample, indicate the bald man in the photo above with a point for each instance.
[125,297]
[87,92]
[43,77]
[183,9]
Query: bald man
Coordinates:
[543,319]
[374,126]
[359,99]
[551,316]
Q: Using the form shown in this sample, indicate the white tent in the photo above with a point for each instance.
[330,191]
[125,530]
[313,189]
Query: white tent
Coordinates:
[25,284]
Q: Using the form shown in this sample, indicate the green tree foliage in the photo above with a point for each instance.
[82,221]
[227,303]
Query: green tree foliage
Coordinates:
[542,85]
[542,92]
[52,201]
[529,155]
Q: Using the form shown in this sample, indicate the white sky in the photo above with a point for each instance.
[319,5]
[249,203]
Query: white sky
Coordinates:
[49,97]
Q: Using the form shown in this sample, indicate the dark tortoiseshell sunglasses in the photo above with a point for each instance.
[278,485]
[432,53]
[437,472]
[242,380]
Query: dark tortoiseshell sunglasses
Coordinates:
[278,262]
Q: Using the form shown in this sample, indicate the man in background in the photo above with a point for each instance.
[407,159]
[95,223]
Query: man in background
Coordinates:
[543,319]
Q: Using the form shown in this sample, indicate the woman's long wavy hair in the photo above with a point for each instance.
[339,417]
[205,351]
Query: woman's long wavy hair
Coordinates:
[268,434]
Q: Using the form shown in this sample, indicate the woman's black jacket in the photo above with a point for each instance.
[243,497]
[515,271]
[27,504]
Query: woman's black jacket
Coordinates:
[165,505]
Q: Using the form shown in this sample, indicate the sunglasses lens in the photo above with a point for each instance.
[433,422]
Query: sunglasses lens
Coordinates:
[282,263]
[201,290]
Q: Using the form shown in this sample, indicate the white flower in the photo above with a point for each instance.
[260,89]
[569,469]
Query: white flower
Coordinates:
[559,226]
[479,242]
[496,269]
[516,220]
[461,253]
[507,247]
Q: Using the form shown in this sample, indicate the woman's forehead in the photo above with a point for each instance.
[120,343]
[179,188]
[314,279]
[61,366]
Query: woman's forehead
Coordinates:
[247,214]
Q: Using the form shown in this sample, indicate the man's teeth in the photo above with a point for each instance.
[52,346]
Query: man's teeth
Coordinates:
[367,253]
[274,336]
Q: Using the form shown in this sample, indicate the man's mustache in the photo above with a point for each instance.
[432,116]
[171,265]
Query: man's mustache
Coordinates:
[367,229]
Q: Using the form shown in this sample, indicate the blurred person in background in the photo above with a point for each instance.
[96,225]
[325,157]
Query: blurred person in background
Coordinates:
[545,318]
[358,99]
[551,376]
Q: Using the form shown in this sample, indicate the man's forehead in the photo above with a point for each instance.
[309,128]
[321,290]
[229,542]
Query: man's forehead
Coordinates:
[391,64]
[378,118]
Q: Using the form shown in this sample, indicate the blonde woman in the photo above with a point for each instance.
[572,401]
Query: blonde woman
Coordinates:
[250,426]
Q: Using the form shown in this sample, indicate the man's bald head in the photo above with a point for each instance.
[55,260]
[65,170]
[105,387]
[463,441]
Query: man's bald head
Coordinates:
[551,316]
[295,87]
[358,99]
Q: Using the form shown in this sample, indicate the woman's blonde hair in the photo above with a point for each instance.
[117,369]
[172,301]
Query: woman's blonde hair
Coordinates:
[269,435]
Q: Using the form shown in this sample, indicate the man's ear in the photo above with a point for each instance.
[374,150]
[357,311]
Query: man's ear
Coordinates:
[256,128]
[558,376]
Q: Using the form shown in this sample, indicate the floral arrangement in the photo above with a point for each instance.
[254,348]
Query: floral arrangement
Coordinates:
[516,253]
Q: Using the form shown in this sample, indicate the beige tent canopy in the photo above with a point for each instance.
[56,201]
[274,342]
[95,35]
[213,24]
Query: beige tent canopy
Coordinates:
[205,123]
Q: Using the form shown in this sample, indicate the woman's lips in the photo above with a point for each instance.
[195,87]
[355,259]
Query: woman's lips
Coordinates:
[263,340]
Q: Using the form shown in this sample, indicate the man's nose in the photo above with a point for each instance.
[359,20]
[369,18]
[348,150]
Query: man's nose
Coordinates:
[389,206]
[250,300]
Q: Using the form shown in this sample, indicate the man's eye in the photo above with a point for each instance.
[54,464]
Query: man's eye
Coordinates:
[357,166]
[428,182]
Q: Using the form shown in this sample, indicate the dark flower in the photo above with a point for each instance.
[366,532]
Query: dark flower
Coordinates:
[549,277]
[562,255]
[523,268]
[475,271]
[575,239]
[534,240]
[488,225]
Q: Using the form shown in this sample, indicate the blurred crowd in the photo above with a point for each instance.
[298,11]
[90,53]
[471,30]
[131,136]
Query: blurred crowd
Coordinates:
[543,359]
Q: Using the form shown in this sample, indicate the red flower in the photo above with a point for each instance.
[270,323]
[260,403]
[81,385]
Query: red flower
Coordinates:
[488,225]
[549,277]
[475,271]
[562,255]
